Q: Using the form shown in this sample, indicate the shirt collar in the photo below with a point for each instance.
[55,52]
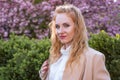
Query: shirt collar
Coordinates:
[65,51]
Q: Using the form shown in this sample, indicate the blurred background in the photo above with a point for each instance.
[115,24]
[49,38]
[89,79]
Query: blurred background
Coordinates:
[24,34]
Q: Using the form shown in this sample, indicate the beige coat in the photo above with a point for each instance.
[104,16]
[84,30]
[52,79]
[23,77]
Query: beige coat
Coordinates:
[90,67]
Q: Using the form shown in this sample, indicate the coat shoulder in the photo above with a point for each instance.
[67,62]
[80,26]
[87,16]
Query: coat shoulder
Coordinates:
[91,53]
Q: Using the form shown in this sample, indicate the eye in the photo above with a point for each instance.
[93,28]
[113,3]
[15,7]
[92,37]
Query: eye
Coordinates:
[66,25]
[57,26]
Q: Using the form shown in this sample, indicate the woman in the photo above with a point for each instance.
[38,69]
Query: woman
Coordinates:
[70,56]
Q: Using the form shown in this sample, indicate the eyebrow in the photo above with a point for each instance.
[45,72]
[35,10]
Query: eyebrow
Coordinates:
[63,23]
[56,24]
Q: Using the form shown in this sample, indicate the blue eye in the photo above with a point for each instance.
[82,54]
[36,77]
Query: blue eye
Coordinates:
[57,26]
[66,25]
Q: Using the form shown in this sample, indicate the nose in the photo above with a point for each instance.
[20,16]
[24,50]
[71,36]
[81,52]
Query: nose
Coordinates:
[60,30]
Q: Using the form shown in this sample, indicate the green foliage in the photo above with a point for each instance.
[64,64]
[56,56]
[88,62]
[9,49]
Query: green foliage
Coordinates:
[110,46]
[21,58]
[37,1]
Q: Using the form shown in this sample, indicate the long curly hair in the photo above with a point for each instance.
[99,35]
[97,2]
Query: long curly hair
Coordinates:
[80,39]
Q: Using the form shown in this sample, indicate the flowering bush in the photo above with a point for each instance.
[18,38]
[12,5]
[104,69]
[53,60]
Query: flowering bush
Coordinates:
[24,17]
[21,17]
[99,15]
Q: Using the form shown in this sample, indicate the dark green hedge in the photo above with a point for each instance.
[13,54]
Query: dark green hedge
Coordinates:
[110,46]
[21,57]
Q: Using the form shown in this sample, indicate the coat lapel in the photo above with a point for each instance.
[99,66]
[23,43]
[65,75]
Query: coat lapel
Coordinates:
[76,71]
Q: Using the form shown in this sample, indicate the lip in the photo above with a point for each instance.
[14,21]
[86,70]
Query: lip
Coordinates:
[62,37]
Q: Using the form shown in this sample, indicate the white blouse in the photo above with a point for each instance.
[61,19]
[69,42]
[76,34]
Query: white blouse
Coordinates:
[57,68]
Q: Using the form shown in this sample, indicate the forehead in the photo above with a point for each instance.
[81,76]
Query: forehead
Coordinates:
[63,18]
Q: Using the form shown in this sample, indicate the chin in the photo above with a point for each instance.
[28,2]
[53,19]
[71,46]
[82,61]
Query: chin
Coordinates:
[63,42]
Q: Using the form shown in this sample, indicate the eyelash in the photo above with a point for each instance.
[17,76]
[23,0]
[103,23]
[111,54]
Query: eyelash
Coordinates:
[65,25]
[57,26]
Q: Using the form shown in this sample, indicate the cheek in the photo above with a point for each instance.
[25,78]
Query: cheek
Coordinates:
[72,30]
[57,31]
[71,33]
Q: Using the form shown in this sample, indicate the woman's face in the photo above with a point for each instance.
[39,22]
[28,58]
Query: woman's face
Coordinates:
[65,28]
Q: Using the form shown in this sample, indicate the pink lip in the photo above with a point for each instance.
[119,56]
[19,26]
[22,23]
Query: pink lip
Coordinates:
[62,37]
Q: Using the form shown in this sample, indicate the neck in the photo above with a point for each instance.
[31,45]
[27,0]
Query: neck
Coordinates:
[66,46]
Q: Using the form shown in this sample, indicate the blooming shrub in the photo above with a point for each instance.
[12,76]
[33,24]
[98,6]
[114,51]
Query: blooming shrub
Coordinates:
[21,17]
[99,15]
[24,17]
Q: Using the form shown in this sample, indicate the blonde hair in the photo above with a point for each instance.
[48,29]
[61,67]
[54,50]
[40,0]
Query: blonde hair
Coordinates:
[80,40]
